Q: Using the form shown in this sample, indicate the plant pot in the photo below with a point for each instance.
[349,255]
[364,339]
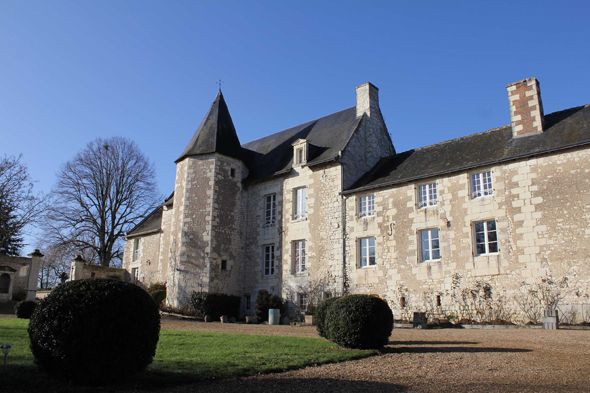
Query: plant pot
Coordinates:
[420,320]
[310,320]
[224,319]
[550,319]
[249,319]
[207,318]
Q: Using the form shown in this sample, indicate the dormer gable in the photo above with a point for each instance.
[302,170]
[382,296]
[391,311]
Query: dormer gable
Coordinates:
[300,152]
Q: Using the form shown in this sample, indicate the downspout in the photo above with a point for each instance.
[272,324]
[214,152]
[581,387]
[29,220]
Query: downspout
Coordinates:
[344,239]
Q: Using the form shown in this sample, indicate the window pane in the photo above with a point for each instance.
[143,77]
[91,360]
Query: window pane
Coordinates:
[491,225]
[493,247]
[492,236]
[481,249]
[435,254]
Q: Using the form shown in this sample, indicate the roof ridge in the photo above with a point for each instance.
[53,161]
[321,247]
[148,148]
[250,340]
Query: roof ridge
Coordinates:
[298,125]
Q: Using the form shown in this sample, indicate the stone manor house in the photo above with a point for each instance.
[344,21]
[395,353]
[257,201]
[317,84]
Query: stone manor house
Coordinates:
[329,207]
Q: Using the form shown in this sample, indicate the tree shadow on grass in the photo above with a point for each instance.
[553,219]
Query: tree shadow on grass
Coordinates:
[388,350]
[301,385]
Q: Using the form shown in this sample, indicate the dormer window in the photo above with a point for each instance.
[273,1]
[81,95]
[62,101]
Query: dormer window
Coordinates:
[299,152]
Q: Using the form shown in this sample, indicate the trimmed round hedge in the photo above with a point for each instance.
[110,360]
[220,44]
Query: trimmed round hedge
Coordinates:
[320,316]
[95,332]
[25,309]
[359,321]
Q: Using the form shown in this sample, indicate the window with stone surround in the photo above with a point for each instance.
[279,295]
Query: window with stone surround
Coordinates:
[427,195]
[481,184]
[366,206]
[135,275]
[302,302]
[270,202]
[429,245]
[269,260]
[248,302]
[135,255]
[299,201]
[486,237]
[367,252]
[299,256]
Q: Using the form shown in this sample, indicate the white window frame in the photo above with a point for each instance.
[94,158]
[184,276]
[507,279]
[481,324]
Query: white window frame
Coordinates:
[487,232]
[481,184]
[427,195]
[367,206]
[134,275]
[299,203]
[302,302]
[270,210]
[135,253]
[269,260]
[367,254]
[299,155]
[299,256]
[427,239]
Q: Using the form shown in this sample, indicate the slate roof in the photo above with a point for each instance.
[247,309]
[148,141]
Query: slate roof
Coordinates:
[563,130]
[151,224]
[326,137]
[216,134]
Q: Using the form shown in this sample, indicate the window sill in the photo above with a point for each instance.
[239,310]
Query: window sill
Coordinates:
[491,254]
[294,220]
[429,261]
[366,216]
[481,197]
[427,207]
[303,273]
[269,225]
[368,267]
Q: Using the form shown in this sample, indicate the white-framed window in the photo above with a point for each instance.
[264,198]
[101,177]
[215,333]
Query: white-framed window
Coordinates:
[269,260]
[367,206]
[427,195]
[429,245]
[299,256]
[481,184]
[302,301]
[367,254]
[135,255]
[486,237]
[248,302]
[299,201]
[270,203]
[299,156]
[135,275]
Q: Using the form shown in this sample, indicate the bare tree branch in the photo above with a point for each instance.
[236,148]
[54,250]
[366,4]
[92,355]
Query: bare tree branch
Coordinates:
[106,190]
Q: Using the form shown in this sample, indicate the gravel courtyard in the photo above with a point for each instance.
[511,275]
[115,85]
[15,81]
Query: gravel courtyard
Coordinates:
[446,360]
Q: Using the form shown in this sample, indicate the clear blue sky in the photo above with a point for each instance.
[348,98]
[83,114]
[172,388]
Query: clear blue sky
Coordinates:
[72,71]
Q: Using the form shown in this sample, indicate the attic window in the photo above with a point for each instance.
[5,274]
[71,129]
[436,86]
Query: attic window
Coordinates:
[299,152]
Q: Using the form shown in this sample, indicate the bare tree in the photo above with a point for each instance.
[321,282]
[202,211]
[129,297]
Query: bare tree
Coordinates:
[56,262]
[107,189]
[19,205]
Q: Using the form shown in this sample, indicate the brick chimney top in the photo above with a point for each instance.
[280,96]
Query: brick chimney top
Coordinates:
[367,99]
[526,107]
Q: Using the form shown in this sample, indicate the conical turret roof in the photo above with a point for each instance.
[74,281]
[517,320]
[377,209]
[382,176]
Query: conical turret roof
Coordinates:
[216,134]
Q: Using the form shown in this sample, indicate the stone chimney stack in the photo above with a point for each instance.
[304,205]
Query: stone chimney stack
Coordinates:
[367,99]
[526,108]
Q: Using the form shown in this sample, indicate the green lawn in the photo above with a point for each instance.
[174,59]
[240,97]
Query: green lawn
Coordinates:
[185,356]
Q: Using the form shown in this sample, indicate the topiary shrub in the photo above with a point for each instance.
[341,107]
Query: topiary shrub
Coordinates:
[264,302]
[156,286]
[359,321]
[25,309]
[158,296]
[320,316]
[95,331]
[215,304]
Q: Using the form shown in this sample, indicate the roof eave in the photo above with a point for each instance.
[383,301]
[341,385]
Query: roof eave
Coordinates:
[463,168]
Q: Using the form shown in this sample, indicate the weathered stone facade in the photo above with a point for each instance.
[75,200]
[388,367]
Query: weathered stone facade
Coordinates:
[19,275]
[335,213]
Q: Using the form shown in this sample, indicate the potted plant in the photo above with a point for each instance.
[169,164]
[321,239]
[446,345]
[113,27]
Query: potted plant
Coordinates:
[309,315]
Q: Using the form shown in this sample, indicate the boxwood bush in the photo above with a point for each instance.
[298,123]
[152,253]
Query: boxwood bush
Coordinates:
[359,321]
[158,296]
[320,316]
[95,332]
[215,304]
[25,309]
[264,302]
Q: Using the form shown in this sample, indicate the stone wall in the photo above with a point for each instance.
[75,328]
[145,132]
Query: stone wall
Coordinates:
[540,206]
[147,259]
[21,274]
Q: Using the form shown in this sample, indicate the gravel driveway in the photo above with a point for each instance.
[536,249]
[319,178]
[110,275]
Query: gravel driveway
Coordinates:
[445,360]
